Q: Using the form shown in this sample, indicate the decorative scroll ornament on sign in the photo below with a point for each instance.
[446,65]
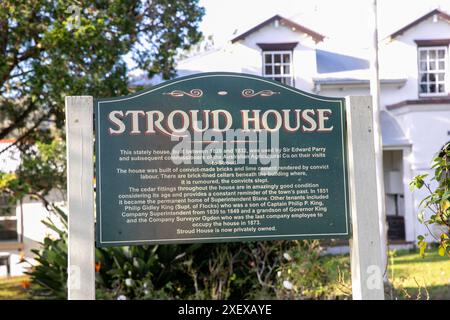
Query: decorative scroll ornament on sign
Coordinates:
[194,93]
[250,93]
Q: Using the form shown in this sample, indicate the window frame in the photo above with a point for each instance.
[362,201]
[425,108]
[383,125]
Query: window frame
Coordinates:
[281,75]
[445,71]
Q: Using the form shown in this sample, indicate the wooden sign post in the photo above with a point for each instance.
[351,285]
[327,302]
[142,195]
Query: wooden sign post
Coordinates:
[365,246]
[366,266]
[80,175]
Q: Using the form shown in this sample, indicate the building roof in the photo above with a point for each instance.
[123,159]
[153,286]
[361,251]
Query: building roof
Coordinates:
[391,132]
[352,78]
[432,100]
[328,62]
[357,81]
[437,12]
[284,22]
[337,70]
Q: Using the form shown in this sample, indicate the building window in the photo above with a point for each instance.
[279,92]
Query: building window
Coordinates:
[277,65]
[432,71]
[8,220]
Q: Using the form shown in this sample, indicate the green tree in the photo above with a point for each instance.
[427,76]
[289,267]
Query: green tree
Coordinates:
[53,48]
[437,201]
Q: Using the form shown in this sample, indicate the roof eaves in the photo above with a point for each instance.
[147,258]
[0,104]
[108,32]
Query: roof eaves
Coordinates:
[438,12]
[422,101]
[352,81]
[317,37]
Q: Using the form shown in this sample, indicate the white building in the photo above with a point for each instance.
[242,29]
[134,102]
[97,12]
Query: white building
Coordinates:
[415,103]
[415,92]
[21,229]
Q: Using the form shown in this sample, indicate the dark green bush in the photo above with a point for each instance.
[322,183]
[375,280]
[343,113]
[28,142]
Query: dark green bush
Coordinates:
[248,270]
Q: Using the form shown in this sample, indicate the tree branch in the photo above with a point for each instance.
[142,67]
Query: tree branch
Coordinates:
[26,134]
[18,121]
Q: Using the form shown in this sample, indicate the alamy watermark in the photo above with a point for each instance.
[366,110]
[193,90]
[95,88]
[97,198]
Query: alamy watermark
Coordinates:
[230,147]
[74,21]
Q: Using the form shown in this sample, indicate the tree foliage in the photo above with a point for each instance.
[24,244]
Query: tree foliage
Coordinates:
[437,201]
[53,48]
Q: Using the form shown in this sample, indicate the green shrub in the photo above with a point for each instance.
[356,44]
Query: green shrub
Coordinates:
[247,270]
[49,276]
[437,202]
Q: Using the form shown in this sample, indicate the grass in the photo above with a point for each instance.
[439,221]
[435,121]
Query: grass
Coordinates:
[11,288]
[412,277]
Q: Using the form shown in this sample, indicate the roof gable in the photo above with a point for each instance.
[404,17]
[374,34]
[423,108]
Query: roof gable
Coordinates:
[439,13]
[317,37]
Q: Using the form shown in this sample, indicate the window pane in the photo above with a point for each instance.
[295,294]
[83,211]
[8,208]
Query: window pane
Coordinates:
[432,88]
[432,54]
[441,88]
[423,66]
[423,88]
[432,65]
[8,230]
[431,77]
[276,65]
[441,76]
[277,70]
[423,78]
[441,65]
[423,55]
[441,54]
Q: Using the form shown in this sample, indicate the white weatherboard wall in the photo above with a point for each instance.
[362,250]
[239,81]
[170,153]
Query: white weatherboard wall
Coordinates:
[28,213]
[245,56]
[399,57]
[427,126]
[304,55]
[398,60]
[31,231]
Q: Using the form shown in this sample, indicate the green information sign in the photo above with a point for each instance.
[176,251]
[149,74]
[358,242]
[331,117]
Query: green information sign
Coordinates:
[220,157]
